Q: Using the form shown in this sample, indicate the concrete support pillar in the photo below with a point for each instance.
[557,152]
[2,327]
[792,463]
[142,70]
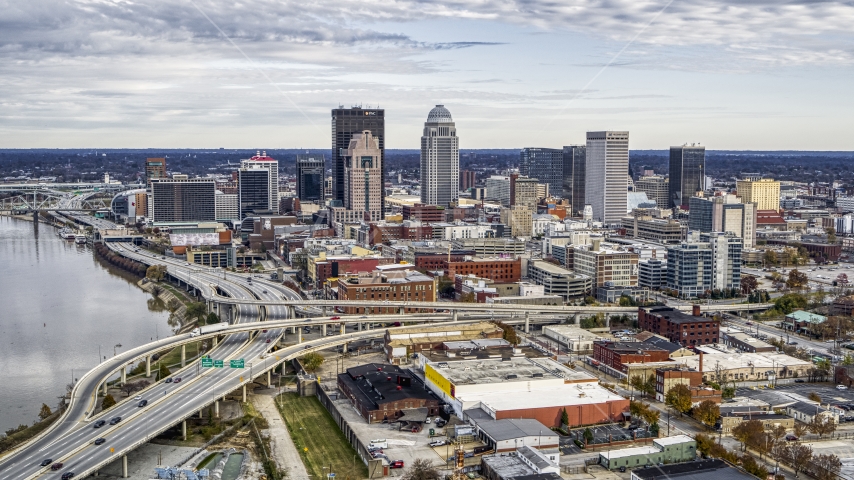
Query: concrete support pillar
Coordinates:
[323,329]
[200,413]
[527,322]
[359,327]
[214,341]
[401,311]
[292,311]
[607,320]
[576,318]
[269,377]
[183,355]
[344,348]
[244,392]
[105,387]
[454,315]
[299,336]
[343,329]
[325,310]
[148,366]
[216,408]
[263,313]
[184,430]
[124,374]
[124,466]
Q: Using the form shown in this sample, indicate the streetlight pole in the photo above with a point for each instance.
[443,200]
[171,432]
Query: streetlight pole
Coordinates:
[118,345]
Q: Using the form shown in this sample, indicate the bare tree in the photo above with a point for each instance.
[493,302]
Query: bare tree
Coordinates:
[421,469]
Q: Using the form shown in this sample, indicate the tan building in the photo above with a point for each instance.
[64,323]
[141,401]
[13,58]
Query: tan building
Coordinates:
[765,193]
[401,344]
[732,420]
[363,176]
[656,229]
[656,188]
[520,220]
[525,191]
[603,262]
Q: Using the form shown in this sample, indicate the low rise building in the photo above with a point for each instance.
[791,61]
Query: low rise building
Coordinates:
[527,300]
[674,449]
[576,340]
[723,367]
[802,321]
[735,338]
[697,470]
[401,344]
[806,412]
[652,274]
[391,286]
[507,434]
[678,327]
[495,268]
[768,419]
[618,354]
[655,229]
[524,464]
[490,247]
[385,393]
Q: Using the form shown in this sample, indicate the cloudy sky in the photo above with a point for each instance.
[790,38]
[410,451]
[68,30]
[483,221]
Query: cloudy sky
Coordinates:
[748,74]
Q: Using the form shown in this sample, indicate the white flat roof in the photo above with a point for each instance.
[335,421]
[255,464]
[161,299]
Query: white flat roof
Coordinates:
[515,369]
[629,452]
[728,361]
[563,395]
[673,440]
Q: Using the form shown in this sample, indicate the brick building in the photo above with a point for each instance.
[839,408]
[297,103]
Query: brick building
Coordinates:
[498,269]
[386,232]
[667,378]
[386,393]
[424,213]
[618,354]
[432,261]
[394,286]
[678,327]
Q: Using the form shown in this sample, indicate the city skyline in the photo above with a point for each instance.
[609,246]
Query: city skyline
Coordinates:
[753,76]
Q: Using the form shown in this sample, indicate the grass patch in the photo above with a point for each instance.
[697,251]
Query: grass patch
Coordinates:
[319,440]
[173,358]
[174,291]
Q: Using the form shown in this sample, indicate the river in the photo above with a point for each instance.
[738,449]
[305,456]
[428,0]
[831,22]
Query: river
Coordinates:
[57,305]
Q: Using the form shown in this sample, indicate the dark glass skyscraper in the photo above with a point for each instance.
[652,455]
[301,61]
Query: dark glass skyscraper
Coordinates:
[687,173]
[310,177]
[253,186]
[544,164]
[574,157]
[346,122]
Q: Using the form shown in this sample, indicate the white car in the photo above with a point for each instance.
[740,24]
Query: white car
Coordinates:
[427,422]
[437,443]
[841,387]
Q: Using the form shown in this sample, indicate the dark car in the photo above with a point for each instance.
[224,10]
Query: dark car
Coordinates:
[115,420]
[67,475]
[177,379]
[268,340]
[263,331]
[46,462]
[793,342]
[100,423]
[396,464]
[623,469]
[99,441]
[56,466]
[142,403]
[169,380]
[791,438]
[800,380]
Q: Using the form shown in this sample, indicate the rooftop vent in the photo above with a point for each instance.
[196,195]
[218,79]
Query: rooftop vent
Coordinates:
[511,376]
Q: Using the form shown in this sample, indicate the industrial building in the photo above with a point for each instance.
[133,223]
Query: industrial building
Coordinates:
[493,388]
[524,464]
[576,340]
[698,470]
[511,433]
[401,344]
[386,393]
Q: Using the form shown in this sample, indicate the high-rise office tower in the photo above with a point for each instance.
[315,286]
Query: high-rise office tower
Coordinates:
[606,175]
[573,176]
[363,180]
[261,160]
[765,193]
[687,174]
[310,177]
[345,123]
[656,188]
[544,164]
[467,179]
[440,159]
[253,191]
[154,168]
[183,199]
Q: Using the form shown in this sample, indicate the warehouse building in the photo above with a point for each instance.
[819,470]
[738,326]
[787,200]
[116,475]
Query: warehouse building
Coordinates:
[678,448]
[508,434]
[520,387]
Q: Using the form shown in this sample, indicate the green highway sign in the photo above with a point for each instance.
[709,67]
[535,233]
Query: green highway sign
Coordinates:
[236,363]
[207,362]
[218,363]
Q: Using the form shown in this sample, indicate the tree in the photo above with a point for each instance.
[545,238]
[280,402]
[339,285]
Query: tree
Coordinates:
[564,417]
[822,425]
[744,432]
[421,469]
[831,235]
[588,435]
[155,273]
[468,298]
[797,456]
[45,412]
[770,257]
[797,280]
[707,413]
[212,318]
[643,385]
[814,397]
[509,333]
[163,371]
[790,302]
[679,397]
[800,429]
[107,402]
[312,361]
[197,311]
[825,467]
[748,284]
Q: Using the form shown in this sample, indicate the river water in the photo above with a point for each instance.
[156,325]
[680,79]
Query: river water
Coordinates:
[57,305]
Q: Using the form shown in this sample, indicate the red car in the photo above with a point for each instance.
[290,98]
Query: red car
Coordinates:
[396,464]
[336,317]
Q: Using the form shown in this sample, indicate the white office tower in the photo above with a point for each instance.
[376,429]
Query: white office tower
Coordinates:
[440,159]
[606,171]
[261,160]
